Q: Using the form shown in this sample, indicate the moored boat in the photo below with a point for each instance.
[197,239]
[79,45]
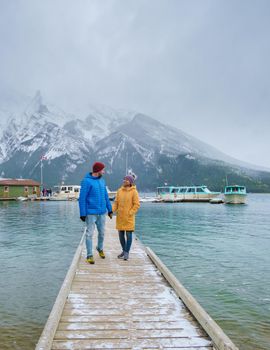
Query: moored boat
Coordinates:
[185,194]
[21,199]
[216,200]
[147,199]
[235,194]
[66,193]
[111,194]
[72,192]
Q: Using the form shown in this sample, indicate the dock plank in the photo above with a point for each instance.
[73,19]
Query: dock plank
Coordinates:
[131,343]
[117,304]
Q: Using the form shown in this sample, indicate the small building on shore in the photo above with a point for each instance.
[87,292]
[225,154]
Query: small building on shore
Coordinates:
[14,188]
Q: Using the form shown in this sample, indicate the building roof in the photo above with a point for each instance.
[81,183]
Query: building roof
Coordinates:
[18,182]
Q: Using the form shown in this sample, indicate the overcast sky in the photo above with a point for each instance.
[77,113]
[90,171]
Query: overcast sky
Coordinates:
[202,66]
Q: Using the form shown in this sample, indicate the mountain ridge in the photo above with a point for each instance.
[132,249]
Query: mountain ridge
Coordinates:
[123,140]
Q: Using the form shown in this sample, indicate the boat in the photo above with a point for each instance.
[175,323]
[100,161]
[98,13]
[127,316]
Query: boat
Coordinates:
[22,199]
[235,194]
[66,193]
[111,194]
[185,194]
[72,192]
[147,199]
[216,200]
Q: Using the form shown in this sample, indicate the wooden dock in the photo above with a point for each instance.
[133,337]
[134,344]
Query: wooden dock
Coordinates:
[134,304]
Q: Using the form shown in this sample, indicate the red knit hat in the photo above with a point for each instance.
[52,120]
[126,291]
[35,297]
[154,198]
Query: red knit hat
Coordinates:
[98,166]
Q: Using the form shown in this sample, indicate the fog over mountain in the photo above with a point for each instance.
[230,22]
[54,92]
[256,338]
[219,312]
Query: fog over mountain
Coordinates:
[199,66]
[124,140]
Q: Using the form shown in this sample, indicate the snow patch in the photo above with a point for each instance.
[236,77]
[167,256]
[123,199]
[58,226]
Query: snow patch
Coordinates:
[188,156]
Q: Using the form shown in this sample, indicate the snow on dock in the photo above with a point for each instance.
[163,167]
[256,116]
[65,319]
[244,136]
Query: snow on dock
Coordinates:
[134,304]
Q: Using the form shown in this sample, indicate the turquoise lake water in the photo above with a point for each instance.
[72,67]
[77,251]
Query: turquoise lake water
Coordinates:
[220,253]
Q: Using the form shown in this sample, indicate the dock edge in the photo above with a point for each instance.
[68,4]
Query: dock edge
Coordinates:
[220,340]
[46,338]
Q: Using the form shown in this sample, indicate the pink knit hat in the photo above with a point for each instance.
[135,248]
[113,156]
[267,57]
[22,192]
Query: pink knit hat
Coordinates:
[129,178]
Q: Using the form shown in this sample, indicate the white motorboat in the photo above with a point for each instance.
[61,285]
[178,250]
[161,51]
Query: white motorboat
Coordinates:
[111,194]
[66,193]
[146,199]
[72,192]
[22,199]
[216,200]
[235,194]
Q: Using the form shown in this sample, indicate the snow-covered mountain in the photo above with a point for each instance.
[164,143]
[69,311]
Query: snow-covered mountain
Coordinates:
[39,129]
[54,133]
[32,128]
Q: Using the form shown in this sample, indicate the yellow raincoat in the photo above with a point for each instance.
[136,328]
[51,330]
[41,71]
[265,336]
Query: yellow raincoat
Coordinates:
[126,205]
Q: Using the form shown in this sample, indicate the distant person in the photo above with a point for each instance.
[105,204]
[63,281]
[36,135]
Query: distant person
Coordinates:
[126,205]
[94,204]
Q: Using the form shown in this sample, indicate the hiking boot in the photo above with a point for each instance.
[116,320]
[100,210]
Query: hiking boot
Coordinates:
[90,259]
[121,256]
[126,255]
[101,253]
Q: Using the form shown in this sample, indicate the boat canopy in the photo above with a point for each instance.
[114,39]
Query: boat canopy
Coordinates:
[235,189]
[164,190]
[68,188]
[183,189]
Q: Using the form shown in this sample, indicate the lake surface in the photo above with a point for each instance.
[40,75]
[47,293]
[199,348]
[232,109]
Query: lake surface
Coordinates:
[220,253]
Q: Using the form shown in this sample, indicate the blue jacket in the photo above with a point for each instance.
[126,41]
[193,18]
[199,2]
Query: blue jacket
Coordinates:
[94,197]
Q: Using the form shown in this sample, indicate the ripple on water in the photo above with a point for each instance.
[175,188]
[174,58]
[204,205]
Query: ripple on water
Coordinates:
[219,253]
[37,243]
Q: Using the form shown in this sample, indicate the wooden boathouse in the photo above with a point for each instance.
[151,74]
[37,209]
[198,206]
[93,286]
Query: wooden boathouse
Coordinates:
[10,189]
[134,304]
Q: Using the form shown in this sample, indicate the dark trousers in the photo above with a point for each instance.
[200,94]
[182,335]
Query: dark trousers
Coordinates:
[125,238]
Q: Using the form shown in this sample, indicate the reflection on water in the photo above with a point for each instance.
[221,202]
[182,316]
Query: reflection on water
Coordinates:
[37,243]
[20,336]
[219,252]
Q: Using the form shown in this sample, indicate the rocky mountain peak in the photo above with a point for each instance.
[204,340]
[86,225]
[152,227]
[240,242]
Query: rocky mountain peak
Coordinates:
[36,106]
[71,142]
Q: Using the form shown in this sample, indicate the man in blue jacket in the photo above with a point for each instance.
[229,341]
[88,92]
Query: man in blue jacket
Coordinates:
[94,203]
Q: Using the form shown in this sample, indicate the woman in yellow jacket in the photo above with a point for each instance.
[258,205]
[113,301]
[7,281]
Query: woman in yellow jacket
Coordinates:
[126,205]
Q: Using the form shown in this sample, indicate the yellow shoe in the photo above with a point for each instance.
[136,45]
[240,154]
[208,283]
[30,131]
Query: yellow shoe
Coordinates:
[90,259]
[101,254]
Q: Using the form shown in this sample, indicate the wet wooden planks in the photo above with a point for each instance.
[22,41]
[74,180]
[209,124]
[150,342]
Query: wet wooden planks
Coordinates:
[117,304]
[121,304]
